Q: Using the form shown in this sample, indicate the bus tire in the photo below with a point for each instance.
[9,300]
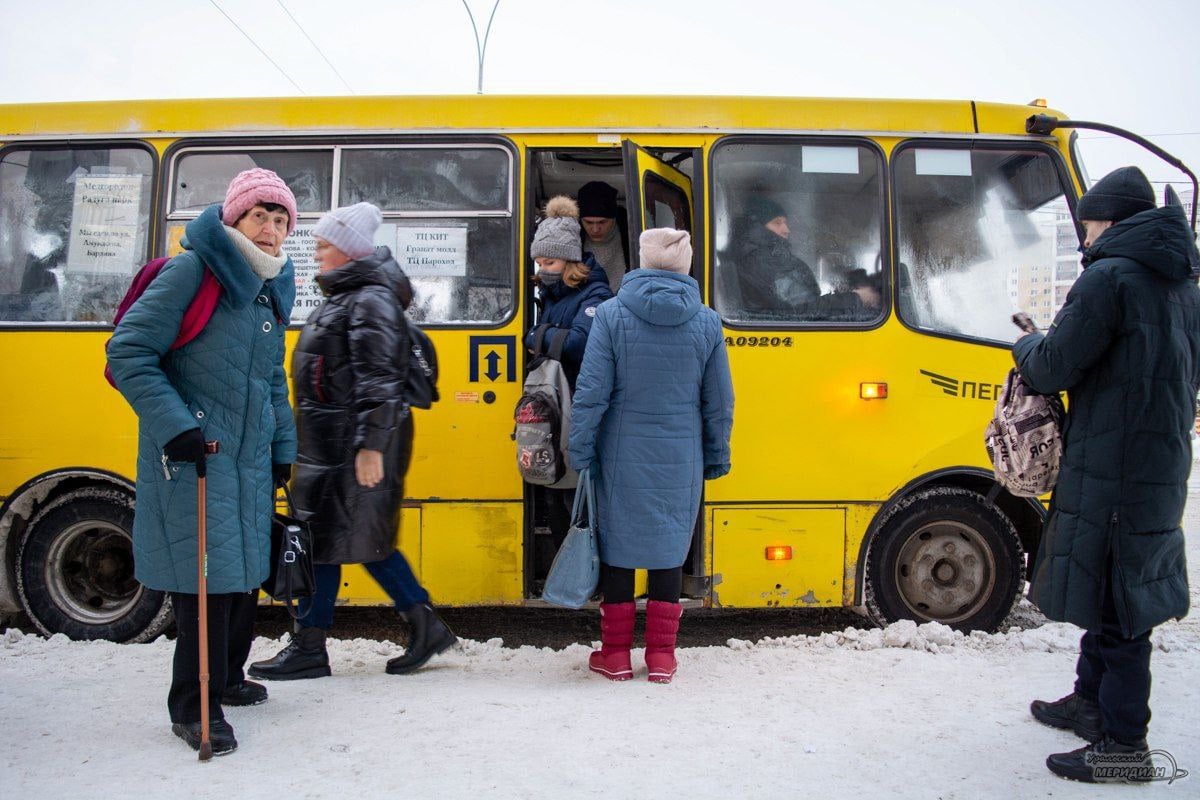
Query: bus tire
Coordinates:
[944,554]
[74,570]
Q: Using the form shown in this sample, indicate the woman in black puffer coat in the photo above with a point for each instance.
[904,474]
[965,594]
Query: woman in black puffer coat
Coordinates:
[349,370]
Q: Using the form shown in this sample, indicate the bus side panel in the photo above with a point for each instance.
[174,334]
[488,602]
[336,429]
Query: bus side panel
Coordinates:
[58,411]
[472,553]
[810,575]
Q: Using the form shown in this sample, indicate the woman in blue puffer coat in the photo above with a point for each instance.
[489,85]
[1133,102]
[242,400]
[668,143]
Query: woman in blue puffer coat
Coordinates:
[651,421]
[226,385]
[572,289]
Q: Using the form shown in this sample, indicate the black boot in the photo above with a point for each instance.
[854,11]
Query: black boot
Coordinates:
[1106,761]
[219,733]
[246,693]
[1071,713]
[304,657]
[429,637]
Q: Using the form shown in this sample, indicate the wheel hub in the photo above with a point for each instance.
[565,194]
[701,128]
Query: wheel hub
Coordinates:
[945,571]
[89,572]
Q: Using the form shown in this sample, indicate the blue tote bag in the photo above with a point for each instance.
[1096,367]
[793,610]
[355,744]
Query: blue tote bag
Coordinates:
[575,572]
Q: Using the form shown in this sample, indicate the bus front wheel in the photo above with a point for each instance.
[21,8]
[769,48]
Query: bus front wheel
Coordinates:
[947,555]
[75,570]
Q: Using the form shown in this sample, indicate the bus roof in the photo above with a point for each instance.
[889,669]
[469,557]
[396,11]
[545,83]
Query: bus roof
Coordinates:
[528,113]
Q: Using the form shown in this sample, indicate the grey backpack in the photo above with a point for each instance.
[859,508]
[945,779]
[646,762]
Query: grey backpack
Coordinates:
[543,418]
[1024,439]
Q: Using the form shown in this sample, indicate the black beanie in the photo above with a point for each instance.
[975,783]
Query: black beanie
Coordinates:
[598,199]
[762,209]
[1118,195]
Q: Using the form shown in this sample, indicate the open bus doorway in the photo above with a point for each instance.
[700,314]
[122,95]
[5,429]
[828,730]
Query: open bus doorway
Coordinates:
[652,188]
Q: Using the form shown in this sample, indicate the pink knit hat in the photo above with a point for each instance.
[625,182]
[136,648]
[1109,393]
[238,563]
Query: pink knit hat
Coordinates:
[666,249]
[255,187]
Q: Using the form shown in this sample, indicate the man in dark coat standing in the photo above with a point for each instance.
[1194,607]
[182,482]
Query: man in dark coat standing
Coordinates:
[1126,348]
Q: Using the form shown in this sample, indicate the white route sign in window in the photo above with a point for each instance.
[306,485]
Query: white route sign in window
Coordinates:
[104,224]
[428,252]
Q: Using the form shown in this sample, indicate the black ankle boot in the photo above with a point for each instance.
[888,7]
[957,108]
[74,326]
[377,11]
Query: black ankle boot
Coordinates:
[246,693]
[1106,761]
[220,734]
[429,637]
[304,657]
[1071,713]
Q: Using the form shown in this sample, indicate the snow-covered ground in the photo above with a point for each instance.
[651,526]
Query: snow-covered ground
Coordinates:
[903,712]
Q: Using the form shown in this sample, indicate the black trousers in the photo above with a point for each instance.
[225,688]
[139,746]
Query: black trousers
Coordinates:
[558,513]
[230,631]
[616,584]
[1114,672]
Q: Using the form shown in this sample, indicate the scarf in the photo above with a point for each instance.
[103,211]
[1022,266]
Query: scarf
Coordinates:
[610,255]
[265,267]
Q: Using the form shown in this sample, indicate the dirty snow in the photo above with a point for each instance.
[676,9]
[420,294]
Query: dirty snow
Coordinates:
[907,712]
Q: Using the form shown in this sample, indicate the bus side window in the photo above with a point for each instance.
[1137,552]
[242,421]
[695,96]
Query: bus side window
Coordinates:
[73,229]
[797,233]
[982,233]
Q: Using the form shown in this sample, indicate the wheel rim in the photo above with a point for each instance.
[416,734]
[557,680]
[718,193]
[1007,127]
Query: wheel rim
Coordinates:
[89,572]
[945,572]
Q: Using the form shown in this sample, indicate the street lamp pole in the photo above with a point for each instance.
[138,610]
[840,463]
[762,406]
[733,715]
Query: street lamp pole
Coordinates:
[481,49]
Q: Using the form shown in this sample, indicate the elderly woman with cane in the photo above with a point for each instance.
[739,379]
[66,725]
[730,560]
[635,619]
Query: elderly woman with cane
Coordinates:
[226,385]
[651,421]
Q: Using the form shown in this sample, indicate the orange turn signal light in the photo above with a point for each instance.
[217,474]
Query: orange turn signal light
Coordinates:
[779,553]
[872,391]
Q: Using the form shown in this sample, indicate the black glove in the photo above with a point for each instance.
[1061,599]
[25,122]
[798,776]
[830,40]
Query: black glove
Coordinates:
[282,473]
[187,446]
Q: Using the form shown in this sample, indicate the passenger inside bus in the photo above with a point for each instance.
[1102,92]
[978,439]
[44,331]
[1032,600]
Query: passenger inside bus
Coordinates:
[858,298]
[774,282]
[605,230]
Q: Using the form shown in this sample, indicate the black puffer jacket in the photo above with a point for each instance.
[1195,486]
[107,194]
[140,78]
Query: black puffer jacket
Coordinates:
[1126,347]
[349,369]
[775,283]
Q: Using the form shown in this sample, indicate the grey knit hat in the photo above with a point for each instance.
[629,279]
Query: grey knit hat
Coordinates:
[350,229]
[1118,195]
[557,235]
[666,249]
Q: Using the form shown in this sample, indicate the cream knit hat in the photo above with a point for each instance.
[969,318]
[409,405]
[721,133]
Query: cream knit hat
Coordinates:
[667,249]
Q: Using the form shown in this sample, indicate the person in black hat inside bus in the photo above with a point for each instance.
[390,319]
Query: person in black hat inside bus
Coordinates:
[605,230]
[1126,349]
[774,282]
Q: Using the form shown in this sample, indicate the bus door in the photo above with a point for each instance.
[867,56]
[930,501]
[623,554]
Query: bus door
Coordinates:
[658,195]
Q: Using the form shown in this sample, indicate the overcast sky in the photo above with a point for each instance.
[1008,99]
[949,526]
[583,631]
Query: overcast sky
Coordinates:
[1133,64]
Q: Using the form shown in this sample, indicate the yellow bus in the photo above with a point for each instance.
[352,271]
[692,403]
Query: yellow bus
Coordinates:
[859,473]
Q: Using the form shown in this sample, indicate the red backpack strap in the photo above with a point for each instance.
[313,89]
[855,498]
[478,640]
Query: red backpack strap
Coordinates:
[200,311]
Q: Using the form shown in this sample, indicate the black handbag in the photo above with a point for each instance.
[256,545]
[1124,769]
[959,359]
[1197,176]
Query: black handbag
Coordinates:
[291,575]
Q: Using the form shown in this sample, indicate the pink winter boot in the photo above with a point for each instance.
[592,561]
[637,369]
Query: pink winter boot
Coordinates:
[616,637]
[662,626]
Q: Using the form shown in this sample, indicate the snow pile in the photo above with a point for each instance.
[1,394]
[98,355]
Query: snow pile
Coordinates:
[933,637]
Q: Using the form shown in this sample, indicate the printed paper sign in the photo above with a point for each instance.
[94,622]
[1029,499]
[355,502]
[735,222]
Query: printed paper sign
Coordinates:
[301,247]
[104,224]
[432,252]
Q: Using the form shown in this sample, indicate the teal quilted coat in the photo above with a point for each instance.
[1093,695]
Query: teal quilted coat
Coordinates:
[230,382]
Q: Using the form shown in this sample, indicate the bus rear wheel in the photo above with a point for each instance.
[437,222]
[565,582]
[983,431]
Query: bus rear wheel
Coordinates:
[75,571]
[945,555]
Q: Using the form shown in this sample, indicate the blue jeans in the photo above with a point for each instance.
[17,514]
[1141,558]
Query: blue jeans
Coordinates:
[393,574]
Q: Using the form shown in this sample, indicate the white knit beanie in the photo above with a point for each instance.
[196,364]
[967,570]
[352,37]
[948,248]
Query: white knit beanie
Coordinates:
[350,229]
[667,249]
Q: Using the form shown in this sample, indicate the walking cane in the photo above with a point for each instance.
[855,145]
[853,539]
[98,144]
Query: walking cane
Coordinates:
[202,576]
